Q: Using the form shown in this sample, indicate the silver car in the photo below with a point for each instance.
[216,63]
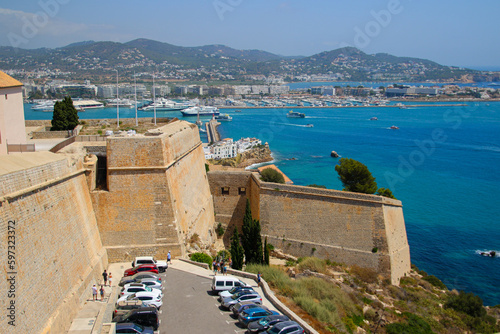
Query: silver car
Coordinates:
[236,298]
[152,283]
[288,327]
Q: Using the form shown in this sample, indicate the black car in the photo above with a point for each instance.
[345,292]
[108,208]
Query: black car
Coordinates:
[130,327]
[265,323]
[147,316]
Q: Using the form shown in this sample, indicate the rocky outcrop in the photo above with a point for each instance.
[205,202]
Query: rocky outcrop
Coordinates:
[254,156]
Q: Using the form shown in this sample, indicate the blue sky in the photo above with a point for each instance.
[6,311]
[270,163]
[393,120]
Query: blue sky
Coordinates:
[460,33]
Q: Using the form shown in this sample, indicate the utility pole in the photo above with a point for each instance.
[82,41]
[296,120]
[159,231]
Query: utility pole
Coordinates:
[117,104]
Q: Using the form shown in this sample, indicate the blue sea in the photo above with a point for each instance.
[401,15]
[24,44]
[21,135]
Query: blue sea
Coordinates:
[442,163]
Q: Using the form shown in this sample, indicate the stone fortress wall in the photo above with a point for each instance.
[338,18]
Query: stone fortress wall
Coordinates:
[345,227]
[157,194]
[58,251]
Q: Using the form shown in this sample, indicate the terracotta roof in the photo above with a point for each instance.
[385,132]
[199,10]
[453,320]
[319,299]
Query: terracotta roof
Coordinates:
[8,81]
[287,179]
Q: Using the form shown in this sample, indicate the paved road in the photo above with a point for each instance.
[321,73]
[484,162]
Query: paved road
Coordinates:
[189,307]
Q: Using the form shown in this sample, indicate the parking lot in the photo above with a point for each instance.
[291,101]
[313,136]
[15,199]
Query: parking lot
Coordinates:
[189,306]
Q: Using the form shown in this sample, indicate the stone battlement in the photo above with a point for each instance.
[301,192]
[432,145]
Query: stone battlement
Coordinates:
[346,227]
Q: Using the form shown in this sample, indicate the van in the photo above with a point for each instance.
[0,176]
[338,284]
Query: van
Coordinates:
[221,283]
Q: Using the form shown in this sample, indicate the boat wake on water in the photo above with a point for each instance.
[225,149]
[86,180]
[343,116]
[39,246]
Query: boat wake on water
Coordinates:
[299,125]
[488,253]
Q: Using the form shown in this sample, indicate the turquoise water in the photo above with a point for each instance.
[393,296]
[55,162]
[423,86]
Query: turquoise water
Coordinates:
[442,164]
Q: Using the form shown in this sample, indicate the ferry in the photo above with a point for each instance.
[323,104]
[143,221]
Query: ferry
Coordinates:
[294,114]
[224,117]
[202,111]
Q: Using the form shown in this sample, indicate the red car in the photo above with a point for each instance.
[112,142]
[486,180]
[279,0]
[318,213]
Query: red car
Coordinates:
[143,267]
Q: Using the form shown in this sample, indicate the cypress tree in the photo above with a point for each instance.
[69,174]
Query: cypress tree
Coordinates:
[236,251]
[246,238]
[266,252]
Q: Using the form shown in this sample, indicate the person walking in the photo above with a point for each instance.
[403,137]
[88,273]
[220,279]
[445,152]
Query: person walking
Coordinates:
[258,278]
[105,277]
[94,292]
[102,293]
[214,267]
[110,278]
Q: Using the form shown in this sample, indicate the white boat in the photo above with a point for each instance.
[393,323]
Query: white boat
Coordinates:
[202,111]
[294,114]
[165,105]
[87,104]
[309,125]
[125,103]
[224,117]
[44,106]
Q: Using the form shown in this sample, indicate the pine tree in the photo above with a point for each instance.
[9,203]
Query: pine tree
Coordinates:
[236,251]
[65,116]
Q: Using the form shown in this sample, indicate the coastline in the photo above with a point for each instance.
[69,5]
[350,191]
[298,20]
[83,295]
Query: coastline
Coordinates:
[332,107]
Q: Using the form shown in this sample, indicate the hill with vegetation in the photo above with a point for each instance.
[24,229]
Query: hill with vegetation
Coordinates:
[88,59]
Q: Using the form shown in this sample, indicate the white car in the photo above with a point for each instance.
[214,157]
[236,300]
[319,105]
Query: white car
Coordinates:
[148,298]
[162,265]
[131,288]
[152,283]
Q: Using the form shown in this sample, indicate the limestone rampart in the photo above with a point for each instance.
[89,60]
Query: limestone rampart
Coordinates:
[157,193]
[352,228]
[58,250]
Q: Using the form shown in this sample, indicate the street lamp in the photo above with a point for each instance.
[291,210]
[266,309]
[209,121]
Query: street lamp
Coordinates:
[117,104]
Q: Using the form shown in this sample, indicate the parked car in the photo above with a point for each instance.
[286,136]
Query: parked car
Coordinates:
[162,265]
[143,267]
[237,306]
[221,283]
[152,283]
[229,293]
[265,323]
[126,305]
[237,310]
[132,288]
[252,314]
[135,278]
[239,297]
[149,298]
[130,327]
[288,327]
[239,293]
[144,316]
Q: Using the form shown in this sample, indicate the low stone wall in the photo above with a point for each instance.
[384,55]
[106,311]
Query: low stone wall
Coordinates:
[47,134]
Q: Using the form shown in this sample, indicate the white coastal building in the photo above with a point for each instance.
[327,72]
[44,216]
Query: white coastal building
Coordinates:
[227,148]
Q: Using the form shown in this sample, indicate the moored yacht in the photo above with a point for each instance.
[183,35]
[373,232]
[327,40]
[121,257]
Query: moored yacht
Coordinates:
[202,111]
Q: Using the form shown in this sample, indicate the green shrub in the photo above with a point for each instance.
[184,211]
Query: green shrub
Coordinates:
[202,258]
[313,264]
[272,175]
[223,255]
[467,303]
[435,281]
[290,263]
[374,249]
[413,325]
[219,230]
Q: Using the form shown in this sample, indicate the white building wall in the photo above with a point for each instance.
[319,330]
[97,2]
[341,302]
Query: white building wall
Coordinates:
[12,127]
